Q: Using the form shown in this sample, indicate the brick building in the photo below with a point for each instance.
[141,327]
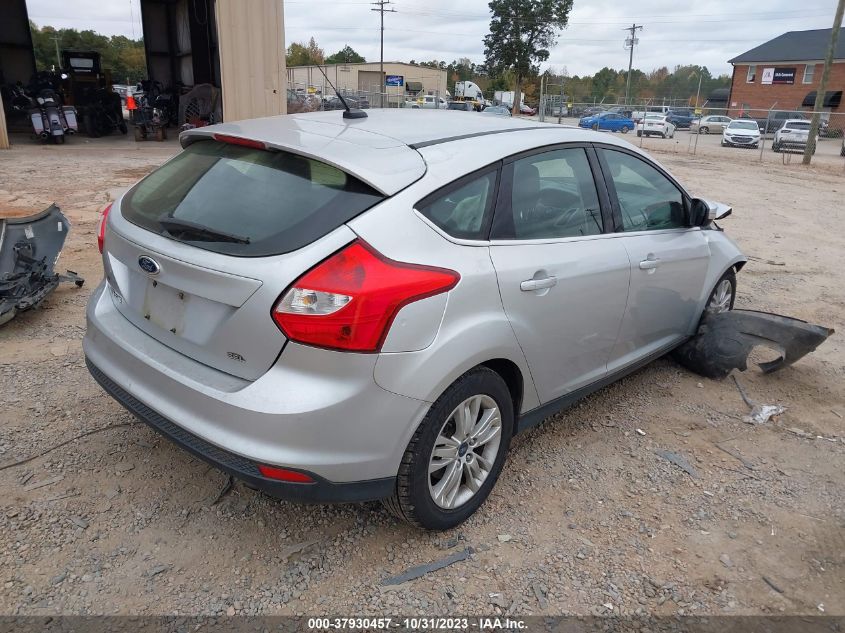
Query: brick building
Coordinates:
[784,74]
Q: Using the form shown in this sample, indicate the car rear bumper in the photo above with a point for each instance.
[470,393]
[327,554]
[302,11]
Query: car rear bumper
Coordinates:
[321,490]
[314,411]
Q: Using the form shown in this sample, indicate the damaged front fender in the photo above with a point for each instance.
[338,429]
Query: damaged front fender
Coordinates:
[724,341]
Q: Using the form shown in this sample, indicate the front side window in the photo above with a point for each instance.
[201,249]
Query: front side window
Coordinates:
[809,72]
[553,195]
[463,211]
[752,74]
[648,200]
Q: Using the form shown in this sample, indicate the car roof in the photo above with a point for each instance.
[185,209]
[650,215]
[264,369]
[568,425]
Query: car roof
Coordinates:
[383,149]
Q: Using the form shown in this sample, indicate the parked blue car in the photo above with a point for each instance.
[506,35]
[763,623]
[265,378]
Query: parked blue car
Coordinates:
[681,119]
[607,121]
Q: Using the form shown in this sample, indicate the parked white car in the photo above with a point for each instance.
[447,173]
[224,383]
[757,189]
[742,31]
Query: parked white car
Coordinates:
[432,101]
[741,133]
[794,134]
[655,125]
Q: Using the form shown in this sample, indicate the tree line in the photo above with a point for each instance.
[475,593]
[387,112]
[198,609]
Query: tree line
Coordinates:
[123,56]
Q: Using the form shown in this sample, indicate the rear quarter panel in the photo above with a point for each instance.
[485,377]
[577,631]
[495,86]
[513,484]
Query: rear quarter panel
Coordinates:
[473,328]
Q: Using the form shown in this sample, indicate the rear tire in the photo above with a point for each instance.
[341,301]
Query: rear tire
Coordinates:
[663,136]
[639,133]
[625,129]
[417,499]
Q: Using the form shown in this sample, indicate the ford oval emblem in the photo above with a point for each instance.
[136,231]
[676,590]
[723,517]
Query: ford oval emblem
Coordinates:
[149,265]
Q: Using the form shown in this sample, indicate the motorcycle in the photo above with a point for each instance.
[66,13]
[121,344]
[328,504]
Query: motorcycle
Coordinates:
[50,119]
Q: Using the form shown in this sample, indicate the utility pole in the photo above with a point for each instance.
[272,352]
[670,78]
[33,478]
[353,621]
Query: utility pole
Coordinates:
[820,93]
[630,43]
[55,38]
[380,4]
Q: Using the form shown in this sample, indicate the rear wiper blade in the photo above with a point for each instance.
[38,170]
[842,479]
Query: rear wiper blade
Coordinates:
[202,233]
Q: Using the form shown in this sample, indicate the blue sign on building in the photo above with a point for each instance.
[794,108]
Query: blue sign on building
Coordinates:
[394,80]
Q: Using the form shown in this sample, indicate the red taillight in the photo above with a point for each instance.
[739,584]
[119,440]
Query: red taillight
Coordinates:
[237,140]
[349,301]
[283,474]
[101,227]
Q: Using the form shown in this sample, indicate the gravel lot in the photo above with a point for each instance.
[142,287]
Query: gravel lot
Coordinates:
[586,518]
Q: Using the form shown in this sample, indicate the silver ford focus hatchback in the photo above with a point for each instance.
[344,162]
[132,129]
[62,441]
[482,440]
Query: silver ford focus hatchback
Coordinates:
[340,309]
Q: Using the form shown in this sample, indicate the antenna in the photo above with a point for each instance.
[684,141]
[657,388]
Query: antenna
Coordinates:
[348,113]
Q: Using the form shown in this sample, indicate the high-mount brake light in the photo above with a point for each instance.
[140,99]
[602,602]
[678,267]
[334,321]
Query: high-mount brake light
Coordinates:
[237,140]
[349,301]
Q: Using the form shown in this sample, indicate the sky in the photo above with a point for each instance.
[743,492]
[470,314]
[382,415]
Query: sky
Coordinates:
[708,33]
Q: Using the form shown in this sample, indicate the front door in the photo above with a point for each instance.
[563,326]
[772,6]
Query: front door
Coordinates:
[668,258]
[563,283]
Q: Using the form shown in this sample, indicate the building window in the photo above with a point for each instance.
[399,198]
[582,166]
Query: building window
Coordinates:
[752,74]
[809,72]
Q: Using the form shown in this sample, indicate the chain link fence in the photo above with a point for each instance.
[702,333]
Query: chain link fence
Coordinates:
[303,97]
[751,134]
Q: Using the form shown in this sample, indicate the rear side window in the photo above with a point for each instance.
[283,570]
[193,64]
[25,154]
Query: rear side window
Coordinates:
[245,202]
[464,210]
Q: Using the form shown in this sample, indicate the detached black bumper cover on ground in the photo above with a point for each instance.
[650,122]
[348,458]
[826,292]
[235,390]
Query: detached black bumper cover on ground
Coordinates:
[724,341]
[29,248]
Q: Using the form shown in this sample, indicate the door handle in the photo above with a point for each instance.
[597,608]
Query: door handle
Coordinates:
[649,264]
[537,284]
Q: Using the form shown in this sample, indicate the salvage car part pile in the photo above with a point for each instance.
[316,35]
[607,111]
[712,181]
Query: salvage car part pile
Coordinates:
[29,248]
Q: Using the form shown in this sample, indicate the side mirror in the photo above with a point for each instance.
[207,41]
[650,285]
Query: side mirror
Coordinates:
[702,212]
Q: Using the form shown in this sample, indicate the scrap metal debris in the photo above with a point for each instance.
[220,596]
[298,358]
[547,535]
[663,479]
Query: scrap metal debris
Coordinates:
[421,570]
[760,413]
[724,341]
[29,248]
[679,460]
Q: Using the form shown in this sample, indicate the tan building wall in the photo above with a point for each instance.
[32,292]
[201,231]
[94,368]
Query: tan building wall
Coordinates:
[251,41]
[364,77]
[757,95]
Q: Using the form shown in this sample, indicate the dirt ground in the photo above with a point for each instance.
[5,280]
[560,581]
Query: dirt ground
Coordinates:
[586,518]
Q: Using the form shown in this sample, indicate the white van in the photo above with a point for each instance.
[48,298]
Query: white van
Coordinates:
[637,115]
[432,101]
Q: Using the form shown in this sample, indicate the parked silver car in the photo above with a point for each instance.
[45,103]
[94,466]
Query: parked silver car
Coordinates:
[348,310]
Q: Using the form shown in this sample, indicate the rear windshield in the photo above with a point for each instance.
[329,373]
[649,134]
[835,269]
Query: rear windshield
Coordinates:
[798,125]
[245,202]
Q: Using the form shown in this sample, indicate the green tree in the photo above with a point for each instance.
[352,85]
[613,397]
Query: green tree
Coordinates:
[346,55]
[521,34]
[122,56]
[299,54]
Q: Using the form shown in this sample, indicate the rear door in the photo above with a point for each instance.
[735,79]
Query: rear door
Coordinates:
[197,253]
[669,260]
[563,282]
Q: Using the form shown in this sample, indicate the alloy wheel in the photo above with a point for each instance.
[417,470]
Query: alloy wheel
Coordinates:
[464,451]
[720,300]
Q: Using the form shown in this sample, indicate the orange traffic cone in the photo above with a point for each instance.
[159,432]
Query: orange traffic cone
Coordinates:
[130,103]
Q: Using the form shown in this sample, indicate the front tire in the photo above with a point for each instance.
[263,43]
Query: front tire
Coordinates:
[625,129]
[704,130]
[723,295]
[456,454]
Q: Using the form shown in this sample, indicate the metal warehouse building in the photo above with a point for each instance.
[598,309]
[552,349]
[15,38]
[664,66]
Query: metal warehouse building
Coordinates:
[399,79]
[784,74]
